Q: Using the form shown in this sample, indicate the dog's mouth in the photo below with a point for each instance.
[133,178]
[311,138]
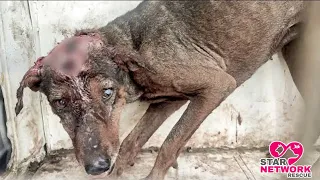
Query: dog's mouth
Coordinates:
[100,176]
[111,169]
[113,162]
[103,175]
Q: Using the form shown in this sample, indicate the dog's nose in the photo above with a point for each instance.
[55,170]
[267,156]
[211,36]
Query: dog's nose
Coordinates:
[98,167]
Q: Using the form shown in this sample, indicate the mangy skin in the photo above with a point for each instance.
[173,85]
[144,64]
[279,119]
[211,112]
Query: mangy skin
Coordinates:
[164,52]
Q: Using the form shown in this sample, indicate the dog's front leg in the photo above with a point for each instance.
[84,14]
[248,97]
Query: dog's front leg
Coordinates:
[199,108]
[155,115]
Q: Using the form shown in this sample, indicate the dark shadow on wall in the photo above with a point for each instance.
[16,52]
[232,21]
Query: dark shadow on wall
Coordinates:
[5,145]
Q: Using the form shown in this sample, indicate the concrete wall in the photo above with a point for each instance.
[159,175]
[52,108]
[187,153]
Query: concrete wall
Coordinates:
[259,111]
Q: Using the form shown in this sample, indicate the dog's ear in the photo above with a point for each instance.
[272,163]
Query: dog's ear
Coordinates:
[130,63]
[31,79]
[126,60]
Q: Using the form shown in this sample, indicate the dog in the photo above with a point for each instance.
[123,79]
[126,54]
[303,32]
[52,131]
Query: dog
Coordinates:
[166,53]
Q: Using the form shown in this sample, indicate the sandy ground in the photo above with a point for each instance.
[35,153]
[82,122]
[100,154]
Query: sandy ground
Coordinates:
[202,165]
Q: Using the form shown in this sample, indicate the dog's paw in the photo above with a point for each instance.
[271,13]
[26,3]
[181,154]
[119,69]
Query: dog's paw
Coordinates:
[117,171]
[120,165]
[146,178]
[175,165]
[150,178]
[113,177]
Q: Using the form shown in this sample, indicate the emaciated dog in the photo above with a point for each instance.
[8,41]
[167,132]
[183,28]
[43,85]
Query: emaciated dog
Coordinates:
[164,52]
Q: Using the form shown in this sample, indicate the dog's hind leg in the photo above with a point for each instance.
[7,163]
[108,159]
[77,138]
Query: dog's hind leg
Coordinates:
[298,68]
[290,47]
[155,115]
[213,90]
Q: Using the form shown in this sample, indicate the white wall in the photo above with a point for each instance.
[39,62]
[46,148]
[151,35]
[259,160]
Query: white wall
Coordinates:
[18,46]
[266,103]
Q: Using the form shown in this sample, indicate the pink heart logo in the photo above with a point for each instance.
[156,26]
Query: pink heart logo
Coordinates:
[295,147]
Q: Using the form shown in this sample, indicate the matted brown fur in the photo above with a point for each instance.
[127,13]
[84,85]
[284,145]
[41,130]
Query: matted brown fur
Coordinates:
[164,52]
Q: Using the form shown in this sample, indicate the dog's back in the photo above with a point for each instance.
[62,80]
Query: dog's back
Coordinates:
[236,36]
[243,34]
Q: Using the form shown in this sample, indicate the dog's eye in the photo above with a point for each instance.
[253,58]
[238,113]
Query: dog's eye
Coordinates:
[60,103]
[107,93]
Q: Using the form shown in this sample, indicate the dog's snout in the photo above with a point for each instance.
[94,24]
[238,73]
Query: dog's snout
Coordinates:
[99,166]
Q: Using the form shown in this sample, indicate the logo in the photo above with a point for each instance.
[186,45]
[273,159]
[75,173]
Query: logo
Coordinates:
[279,164]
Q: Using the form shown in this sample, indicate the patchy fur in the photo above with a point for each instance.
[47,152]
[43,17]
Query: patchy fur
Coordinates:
[164,52]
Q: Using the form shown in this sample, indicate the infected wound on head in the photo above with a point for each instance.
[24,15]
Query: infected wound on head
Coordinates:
[67,58]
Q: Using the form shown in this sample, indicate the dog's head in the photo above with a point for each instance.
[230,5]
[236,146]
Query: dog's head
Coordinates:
[87,89]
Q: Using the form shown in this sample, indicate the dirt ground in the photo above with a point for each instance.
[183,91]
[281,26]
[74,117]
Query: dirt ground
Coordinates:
[193,164]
